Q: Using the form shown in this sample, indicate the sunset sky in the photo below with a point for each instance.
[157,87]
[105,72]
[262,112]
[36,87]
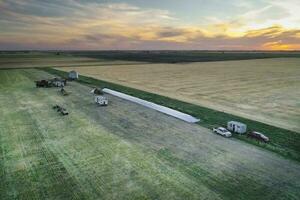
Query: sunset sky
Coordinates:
[150,25]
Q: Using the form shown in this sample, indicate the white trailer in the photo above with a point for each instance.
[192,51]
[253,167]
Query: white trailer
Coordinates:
[101,100]
[73,75]
[237,127]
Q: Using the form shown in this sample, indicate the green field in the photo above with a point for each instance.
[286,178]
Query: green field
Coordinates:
[123,151]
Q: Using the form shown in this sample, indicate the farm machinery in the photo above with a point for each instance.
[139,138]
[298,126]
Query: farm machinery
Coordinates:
[97,91]
[55,82]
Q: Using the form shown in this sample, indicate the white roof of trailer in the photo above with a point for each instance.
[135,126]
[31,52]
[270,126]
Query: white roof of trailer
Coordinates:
[238,123]
[100,97]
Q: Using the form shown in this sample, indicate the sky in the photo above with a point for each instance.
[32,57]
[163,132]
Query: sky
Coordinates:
[150,25]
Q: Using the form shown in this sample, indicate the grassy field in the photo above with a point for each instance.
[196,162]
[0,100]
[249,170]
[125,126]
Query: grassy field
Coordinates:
[123,151]
[264,90]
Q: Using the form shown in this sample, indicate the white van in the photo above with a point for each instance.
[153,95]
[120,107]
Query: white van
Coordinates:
[101,100]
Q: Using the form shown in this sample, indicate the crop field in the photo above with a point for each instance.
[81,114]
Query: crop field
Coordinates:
[265,90]
[122,151]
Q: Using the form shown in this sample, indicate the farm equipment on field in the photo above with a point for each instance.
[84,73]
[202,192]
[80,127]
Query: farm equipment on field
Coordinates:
[60,109]
[43,83]
[55,82]
[97,91]
[64,92]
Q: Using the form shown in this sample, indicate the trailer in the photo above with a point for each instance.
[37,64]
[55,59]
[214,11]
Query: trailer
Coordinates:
[237,127]
[73,75]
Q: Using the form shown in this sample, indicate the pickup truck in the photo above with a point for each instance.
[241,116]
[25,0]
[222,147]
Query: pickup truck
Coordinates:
[222,131]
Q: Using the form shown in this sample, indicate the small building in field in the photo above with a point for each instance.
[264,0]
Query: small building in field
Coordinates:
[73,75]
[237,127]
[101,100]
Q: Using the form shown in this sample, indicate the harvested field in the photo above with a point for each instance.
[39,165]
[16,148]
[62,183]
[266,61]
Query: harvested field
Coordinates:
[123,151]
[265,90]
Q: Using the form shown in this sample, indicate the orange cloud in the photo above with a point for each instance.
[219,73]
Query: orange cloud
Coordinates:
[279,45]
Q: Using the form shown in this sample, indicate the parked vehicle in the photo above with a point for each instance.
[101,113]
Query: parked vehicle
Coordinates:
[73,75]
[237,127]
[222,131]
[101,100]
[258,136]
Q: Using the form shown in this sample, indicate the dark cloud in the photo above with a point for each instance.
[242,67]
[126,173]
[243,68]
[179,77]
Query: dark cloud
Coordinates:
[37,8]
[170,32]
